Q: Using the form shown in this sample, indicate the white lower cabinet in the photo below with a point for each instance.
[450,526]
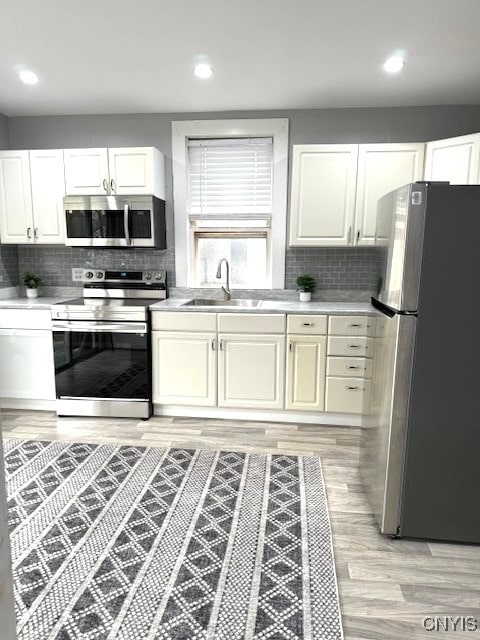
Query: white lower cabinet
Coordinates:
[349,364]
[251,371]
[184,368]
[346,395]
[27,369]
[306,358]
[263,361]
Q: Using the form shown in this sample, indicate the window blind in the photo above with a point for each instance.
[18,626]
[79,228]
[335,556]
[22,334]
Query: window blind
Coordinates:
[230,178]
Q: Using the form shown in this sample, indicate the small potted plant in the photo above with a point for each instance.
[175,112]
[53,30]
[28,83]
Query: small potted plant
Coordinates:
[306,285]
[31,282]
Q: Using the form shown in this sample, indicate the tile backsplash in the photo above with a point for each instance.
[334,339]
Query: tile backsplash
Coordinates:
[9,271]
[54,264]
[352,269]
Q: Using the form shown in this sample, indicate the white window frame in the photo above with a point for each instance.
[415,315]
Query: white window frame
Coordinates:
[277,128]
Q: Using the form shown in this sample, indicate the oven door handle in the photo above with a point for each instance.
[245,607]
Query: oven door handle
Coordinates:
[126,223]
[100,327]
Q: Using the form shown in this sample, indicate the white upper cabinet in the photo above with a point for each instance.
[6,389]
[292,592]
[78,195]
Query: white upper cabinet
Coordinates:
[381,169]
[48,190]
[86,172]
[455,159]
[32,187]
[122,171]
[335,190]
[137,171]
[323,194]
[16,214]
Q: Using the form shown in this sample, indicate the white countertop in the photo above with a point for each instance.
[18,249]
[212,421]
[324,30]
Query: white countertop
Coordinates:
[178,304]
[41,303]
[270,306]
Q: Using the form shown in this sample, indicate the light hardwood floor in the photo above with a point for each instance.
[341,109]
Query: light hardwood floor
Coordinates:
[386,586]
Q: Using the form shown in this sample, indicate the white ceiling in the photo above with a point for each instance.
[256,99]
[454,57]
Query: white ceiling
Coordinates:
[137,56]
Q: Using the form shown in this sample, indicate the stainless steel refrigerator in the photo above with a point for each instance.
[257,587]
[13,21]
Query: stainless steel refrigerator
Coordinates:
[420,452]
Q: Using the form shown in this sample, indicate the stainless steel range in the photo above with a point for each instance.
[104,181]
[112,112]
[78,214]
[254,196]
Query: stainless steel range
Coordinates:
[102,345]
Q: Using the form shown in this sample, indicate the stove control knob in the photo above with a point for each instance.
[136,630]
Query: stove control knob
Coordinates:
[99,275]
[89,275]
[158,276]
[148,276]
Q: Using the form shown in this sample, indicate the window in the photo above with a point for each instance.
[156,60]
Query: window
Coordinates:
[230,201]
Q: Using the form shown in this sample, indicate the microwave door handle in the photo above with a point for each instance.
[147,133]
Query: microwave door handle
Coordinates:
[126,223]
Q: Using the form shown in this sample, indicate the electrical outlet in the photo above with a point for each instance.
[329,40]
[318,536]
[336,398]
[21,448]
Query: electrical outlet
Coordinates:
[77,274]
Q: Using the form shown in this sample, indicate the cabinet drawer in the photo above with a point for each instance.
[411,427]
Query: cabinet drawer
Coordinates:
[25,319]
[310,325]
[347,395]
[350,346]
[352,367]
[351,326]
[184,321]
[251,323]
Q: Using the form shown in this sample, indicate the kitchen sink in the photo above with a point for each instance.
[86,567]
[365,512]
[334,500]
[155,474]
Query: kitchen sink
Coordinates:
[205,302]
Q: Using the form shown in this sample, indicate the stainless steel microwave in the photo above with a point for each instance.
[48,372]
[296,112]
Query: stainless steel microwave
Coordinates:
[115,221]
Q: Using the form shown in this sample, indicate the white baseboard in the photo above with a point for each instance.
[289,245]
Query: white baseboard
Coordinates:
[28,404]
[300,417]
[341,419]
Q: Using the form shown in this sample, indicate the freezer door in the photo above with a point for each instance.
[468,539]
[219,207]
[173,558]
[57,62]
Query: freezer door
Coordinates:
[400,224]
[384,432]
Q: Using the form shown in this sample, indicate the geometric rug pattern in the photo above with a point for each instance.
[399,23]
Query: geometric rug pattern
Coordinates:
[145,543]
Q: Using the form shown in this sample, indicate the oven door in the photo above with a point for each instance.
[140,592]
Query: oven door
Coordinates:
[109,221]
[102,368]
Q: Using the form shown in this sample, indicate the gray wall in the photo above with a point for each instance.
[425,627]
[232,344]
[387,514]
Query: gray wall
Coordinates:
[333,268]
[8,254]
[3,131]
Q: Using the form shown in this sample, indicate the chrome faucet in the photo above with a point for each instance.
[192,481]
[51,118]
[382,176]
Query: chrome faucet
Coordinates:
[226,290]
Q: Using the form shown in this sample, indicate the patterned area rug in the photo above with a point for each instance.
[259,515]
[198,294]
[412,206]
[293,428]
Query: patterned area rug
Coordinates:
[142,543]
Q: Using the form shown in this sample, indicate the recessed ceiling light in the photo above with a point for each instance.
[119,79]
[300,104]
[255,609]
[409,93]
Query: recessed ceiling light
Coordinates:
[394,64]
[203,70]
[28,77]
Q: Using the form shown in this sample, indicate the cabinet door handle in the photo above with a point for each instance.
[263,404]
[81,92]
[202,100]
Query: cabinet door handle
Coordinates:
[213,344]
[220,345]
[105,185]
[355,324]
[307,324]
[349,236]
[35,232]
[290,345]
[112,185]
[354,346]
[354,388]
[358,236]
[349,366]
[29,232]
